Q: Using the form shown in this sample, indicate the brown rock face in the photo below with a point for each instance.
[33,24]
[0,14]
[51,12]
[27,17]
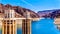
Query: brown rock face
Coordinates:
[19,10]
[50,13]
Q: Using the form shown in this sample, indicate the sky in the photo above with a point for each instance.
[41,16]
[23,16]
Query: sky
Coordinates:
[35,5]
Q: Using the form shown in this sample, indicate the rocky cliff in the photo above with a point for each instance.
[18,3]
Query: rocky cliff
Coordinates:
[49,13]
[20,10]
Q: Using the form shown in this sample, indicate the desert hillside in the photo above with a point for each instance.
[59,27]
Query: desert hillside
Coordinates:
[20,10]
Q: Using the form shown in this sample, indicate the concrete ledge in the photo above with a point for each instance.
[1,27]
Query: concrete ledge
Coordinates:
[34,19]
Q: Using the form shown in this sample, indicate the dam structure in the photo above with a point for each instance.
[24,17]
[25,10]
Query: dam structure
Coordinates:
[57,23]
[9,19]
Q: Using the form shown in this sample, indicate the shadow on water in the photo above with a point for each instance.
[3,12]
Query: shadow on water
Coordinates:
[43,26]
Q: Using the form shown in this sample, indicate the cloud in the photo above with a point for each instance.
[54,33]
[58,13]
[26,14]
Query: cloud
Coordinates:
[29,4]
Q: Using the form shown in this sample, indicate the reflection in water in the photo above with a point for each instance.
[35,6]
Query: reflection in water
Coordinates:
[19,31]
[0,31]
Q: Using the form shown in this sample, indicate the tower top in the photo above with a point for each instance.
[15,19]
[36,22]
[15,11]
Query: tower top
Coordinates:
[10,13]
[27,14]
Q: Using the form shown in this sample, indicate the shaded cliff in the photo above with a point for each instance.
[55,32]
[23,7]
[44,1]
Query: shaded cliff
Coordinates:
[20,10]
[55,14]
[49,13]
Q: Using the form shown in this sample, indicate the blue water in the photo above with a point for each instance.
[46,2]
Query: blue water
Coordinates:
[19,31]
[43,26]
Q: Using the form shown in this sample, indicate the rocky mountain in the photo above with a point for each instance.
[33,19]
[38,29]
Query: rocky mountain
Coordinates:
[20,10]
[55,14]
[43,13]
[49,13]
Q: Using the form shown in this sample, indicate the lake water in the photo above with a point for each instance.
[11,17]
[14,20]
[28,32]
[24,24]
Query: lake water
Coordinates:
[43,26]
